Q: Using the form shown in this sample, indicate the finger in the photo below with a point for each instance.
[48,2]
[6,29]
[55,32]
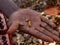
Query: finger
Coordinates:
[44,25]
[44,31]
[36,34]
[14,27]
[48,22]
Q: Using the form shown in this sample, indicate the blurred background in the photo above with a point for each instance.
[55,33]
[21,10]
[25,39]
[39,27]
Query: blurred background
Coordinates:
[20,38]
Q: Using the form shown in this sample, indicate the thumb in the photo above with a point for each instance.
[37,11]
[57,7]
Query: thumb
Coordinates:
[13,27]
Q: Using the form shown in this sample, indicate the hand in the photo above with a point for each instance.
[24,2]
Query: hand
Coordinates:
[31,22]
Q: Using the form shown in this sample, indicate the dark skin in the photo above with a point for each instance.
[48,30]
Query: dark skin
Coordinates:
[40,28]
[30,22]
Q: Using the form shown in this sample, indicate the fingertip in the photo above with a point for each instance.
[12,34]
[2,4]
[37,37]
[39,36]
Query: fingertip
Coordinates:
[50,40]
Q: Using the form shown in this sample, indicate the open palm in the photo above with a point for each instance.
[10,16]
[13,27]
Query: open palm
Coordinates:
[31,22]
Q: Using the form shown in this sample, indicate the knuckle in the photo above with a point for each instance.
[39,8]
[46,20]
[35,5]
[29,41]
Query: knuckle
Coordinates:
[44,24]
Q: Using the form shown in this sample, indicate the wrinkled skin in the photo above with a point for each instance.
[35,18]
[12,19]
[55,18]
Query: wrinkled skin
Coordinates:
[40,28]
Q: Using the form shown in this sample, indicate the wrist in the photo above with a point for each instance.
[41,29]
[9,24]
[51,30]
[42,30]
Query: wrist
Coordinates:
[8,7]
